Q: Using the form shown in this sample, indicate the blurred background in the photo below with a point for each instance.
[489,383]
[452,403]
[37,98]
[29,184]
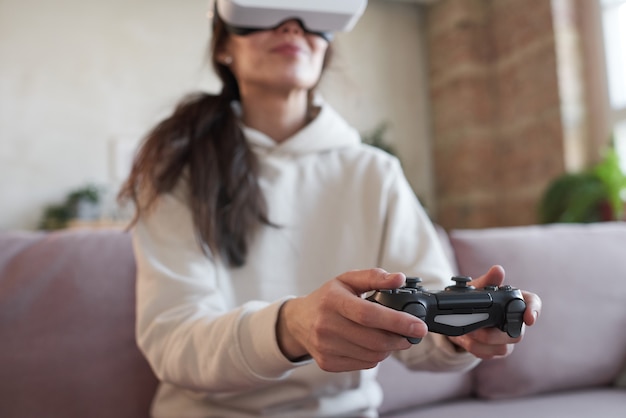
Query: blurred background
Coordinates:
[499,110]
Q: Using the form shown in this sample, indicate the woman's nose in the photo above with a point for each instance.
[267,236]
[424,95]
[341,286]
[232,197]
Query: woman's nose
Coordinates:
[291,26]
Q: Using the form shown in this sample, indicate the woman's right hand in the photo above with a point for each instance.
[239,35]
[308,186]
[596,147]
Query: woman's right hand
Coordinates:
[341,330]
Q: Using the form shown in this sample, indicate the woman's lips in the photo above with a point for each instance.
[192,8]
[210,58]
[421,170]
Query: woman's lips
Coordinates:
[287,49]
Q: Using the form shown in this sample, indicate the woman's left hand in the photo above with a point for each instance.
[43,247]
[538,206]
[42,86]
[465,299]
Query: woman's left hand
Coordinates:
[486,343]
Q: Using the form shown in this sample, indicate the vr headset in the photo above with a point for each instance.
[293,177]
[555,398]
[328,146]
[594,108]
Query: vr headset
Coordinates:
[321,17]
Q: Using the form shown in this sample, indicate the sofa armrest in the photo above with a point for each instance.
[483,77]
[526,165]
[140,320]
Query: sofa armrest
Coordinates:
[67,327]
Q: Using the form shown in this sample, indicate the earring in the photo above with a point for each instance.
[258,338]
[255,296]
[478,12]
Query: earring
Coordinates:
[227,60]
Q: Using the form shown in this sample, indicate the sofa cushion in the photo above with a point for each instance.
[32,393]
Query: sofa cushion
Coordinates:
[404,388]
[579,272]
[601,402]
[67,327]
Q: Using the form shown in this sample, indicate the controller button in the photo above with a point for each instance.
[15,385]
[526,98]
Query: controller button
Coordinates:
[506,288]
[461,283]
[413,282]
[491,288]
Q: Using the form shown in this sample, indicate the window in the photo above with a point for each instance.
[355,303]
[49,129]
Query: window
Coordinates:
[614,32]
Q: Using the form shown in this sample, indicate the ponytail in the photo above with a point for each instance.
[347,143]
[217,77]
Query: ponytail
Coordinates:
[203,136]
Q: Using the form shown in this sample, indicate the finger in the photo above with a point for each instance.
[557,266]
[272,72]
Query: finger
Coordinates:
[493,277]
[480,349]
[494,336]
[343,364]
[329,335]
[354,341]
[362,281]
[346,339]
[375,316]
[533,307]
[377,341]
[487,352]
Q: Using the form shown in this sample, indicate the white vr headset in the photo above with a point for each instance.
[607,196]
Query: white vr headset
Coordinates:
[321,17]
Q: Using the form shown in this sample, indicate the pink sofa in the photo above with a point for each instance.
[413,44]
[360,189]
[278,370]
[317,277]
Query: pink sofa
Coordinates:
[67,329]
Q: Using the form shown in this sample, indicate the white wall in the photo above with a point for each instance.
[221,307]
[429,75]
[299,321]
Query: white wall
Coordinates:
[82,78]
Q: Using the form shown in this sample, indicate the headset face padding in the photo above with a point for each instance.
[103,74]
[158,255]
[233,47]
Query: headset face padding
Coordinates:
[321,17]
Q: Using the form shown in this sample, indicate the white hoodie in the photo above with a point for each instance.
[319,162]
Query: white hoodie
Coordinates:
[208,330]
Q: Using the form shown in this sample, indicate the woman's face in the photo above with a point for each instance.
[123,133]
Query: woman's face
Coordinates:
[285,58]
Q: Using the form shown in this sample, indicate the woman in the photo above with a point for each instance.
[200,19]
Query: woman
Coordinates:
[261,220]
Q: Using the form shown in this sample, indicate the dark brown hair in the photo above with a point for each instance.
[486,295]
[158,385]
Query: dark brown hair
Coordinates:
[202,139]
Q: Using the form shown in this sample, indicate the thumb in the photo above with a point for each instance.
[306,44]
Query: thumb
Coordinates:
[362,281]
[493,277]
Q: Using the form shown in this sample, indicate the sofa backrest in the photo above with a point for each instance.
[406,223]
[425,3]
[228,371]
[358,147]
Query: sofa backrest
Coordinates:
[67,346]
[579,271]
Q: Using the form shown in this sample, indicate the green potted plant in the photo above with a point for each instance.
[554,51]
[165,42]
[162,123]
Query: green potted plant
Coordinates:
[594,195]
[376,138]
[82,203]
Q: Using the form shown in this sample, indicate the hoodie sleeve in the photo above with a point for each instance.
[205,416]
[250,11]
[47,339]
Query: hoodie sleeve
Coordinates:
[411,245]
[187,325]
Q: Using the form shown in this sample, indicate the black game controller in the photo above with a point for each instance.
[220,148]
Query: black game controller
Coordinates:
[458,309]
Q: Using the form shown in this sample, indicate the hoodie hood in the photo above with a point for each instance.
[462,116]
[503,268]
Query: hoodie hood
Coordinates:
[326,132]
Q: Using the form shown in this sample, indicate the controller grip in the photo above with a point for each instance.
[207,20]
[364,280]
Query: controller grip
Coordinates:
[514,318]
[417,310]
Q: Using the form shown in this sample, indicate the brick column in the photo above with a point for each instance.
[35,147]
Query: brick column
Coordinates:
[497,113]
